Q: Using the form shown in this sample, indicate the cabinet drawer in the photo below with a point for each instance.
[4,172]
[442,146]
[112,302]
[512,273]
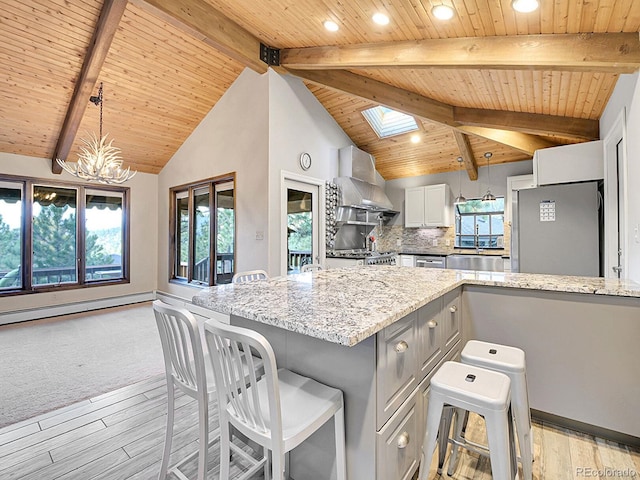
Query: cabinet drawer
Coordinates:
[397,347]
[430,331]
[398,444]
[451,318]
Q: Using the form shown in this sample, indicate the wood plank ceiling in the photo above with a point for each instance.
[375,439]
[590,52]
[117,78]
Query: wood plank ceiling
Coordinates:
[489,79]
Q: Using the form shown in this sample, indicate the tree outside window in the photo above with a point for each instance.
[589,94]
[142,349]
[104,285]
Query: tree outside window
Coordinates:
[62,251]
[480,224]
[202,212]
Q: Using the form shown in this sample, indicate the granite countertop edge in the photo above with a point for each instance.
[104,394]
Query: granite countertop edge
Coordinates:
[295,305]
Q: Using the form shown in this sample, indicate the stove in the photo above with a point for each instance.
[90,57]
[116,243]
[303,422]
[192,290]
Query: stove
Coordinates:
[368,257]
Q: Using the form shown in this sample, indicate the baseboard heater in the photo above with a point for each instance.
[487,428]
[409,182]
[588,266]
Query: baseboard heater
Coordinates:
[76,307]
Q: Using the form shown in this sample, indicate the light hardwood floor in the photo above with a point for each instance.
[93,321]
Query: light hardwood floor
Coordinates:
[119,435]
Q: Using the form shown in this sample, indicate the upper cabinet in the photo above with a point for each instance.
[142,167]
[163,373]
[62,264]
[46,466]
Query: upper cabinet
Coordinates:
[580,162]
[428,206]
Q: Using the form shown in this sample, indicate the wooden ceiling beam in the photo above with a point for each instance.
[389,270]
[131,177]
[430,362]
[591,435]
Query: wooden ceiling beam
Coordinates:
[467,154]
[112,11]
[200,20]
[416,105]
[585,52]
[381,93]
[523,142]
[533,123]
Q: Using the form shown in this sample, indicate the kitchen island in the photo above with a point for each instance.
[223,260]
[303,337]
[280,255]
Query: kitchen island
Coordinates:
[379,333]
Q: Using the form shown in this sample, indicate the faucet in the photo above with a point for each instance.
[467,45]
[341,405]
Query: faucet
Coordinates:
[476,242]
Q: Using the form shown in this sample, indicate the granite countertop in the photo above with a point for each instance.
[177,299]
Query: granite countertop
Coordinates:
[444,252]
[348,305]
[436,252]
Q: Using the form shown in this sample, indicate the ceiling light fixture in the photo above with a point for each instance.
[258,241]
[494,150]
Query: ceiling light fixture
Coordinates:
[331,25]
[415,138]
[380,18]
[460,198]
[488,197]
[442,12]
[524,6]
[99,161]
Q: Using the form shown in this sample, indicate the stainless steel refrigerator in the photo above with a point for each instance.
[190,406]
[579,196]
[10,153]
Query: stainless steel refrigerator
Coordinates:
[555,229]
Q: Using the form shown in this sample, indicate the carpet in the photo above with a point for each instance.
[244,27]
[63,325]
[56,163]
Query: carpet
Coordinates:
[50,363]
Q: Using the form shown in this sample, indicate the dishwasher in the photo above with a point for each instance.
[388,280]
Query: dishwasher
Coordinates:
[430,261]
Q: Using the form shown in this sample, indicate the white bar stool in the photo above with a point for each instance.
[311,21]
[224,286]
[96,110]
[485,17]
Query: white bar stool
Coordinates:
[477,390]
[511,362]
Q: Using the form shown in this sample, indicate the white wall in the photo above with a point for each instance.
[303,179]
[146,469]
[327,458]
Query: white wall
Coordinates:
[470,189]
[144,248]
[297,123]
[626,96]
[233,137]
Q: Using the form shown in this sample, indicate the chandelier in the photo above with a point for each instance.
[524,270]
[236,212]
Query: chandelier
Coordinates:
[98,161]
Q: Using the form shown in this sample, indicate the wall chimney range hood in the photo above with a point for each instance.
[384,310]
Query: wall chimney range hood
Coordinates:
[357,182]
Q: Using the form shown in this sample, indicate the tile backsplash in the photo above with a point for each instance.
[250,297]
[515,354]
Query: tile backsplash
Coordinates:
[399,238]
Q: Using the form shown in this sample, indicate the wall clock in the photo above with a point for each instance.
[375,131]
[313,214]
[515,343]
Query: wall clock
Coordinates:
[305,161]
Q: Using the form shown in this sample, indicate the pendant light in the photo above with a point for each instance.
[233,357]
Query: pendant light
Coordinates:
[488,197]
[99,161]
[460,199]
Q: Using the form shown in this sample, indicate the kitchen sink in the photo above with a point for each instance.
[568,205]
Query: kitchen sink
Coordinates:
[487,263]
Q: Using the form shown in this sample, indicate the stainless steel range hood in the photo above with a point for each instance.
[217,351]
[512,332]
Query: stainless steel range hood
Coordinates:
[357,182]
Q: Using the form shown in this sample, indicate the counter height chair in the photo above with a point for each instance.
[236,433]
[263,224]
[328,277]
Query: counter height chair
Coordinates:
[278,412]
[185,369]
[250,276]
[311,267]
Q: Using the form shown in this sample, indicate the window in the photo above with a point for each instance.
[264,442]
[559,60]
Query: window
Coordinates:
[480,224]
[61,235]
[11,235]
[387,123]
[201,213]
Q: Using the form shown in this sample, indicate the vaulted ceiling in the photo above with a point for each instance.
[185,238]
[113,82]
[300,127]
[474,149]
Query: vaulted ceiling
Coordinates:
[489,79]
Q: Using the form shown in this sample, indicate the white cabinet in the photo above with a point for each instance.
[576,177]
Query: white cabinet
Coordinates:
[407,261]
[428,206]
[579,162]
[414,207]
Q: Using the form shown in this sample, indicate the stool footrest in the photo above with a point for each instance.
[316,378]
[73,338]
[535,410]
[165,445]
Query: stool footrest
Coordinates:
[472,446]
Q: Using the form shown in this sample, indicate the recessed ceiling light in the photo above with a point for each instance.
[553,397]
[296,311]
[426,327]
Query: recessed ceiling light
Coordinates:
[415,138]
[442,12]
[331,26]
[525,6]
[380,19]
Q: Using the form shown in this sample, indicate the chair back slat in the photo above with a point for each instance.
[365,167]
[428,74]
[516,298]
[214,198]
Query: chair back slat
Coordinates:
[181,345]
[250,276]
[233,350]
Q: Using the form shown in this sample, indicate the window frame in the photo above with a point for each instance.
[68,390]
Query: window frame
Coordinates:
[458,233]
[174,228]
[26,226]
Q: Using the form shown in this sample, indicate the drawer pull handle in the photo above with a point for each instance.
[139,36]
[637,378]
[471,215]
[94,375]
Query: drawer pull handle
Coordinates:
[403,440]
[453,309]
[401,346]
[432,324]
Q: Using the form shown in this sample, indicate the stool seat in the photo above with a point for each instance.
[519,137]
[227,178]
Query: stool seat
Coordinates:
[475,389]
[472,385]
[493,356]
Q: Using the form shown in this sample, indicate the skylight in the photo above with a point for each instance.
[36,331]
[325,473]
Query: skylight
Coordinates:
[387,123]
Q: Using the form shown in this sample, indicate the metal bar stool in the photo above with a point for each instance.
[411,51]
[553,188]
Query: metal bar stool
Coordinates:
[511,362]
[477,390]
